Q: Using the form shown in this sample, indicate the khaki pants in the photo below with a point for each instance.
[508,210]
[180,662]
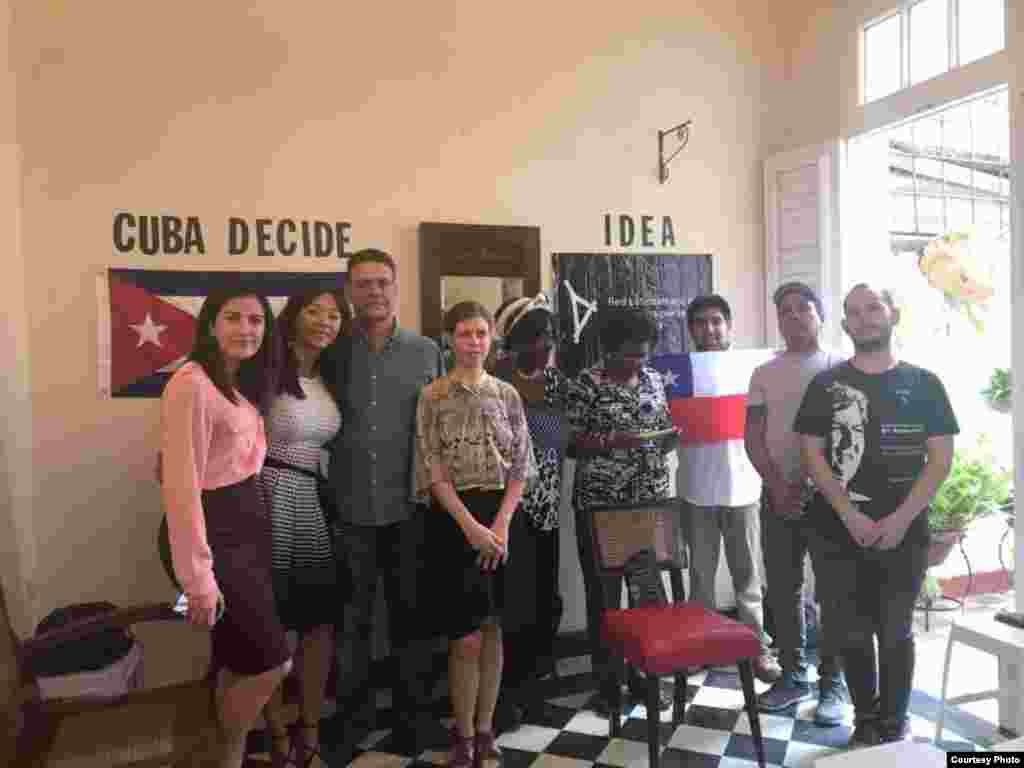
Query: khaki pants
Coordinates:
[739,528]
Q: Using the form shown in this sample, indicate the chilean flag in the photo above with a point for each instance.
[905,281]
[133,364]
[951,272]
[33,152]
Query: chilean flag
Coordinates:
[148,319]
[707,391]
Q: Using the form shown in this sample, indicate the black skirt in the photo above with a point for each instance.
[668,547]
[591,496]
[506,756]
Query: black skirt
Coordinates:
[249,638]
[462,595]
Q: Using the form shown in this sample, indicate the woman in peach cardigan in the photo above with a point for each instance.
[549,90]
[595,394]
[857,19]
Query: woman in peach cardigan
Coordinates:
[212,448]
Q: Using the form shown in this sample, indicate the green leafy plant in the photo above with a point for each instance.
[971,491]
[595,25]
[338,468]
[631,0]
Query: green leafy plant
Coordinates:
[1000,387]
[930,589]
[976,487]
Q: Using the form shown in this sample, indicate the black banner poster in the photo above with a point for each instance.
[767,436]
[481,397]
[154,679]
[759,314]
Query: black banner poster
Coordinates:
[662,284]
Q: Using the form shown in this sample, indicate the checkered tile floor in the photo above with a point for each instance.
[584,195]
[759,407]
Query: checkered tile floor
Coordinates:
[566,732]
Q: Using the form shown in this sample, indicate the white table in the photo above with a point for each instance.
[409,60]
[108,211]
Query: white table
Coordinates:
[1004,642]
[899,754]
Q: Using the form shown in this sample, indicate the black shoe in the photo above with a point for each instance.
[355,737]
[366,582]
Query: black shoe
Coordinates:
[602,704]
[344,729]
[343,752]
[508,716]
[865,733]
[415,735]
[890,730]
[358,714]
[639,696]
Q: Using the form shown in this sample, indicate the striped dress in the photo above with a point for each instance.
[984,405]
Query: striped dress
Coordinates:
[304,568]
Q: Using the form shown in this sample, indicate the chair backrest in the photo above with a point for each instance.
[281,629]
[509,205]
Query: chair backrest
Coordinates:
[621,531]
[28,726]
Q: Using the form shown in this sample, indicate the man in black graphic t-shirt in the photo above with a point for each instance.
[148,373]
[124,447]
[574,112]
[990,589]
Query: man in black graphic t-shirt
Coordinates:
[877,439]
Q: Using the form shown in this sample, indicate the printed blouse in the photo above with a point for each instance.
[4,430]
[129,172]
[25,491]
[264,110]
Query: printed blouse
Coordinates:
[599,404]
[477,433]
[549,434]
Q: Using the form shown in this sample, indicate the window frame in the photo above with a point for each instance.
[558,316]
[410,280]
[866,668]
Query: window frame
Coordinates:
[903,11]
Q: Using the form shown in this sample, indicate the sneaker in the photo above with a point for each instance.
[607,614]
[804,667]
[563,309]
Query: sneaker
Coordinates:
[865,734]
[831,702]
[786,692]
[767,669]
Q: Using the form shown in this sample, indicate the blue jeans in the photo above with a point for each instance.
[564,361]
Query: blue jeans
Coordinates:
[874,593]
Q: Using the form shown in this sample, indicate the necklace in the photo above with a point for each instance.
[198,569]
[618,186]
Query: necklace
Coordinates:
[538,374]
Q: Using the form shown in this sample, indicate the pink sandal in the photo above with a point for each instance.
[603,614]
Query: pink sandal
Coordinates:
[462,753]
[486,749]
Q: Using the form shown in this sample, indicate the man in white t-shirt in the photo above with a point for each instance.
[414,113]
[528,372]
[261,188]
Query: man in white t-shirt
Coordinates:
[722,491]
[776,390]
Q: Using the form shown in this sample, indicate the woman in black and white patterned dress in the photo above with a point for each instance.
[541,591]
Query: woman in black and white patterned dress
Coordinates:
[303,418]
[622,432]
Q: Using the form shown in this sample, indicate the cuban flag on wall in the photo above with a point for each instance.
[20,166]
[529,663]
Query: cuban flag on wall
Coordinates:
[707,391]
[148,319]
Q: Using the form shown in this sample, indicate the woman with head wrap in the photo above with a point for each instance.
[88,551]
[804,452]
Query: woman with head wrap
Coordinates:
[533,614]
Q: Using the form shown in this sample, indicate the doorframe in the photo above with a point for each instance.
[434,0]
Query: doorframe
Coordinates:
[454,249]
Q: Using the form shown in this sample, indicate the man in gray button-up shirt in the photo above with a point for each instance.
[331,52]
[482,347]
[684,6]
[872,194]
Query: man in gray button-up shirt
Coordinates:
[376,375]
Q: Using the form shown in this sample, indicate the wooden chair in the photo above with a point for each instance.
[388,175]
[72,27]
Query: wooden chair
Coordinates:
[154,727]
[142,729]
[663,640]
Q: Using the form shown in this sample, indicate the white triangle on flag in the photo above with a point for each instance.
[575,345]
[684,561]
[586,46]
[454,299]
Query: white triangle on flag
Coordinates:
[172,366]
[189,304]
[192,304]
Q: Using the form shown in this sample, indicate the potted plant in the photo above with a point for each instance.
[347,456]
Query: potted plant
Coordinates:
[975,487]
[962,271]
[999,392]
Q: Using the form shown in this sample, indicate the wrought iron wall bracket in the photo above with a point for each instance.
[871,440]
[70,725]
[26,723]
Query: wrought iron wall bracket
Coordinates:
[682,134]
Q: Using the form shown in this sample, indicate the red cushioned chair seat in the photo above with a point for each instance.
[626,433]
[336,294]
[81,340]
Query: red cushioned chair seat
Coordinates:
[660,639]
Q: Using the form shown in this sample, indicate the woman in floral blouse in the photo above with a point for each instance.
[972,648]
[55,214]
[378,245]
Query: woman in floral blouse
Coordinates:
[472,459]
[622,431]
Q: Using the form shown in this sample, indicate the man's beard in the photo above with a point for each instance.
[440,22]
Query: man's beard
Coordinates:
[720,347]
[881,342]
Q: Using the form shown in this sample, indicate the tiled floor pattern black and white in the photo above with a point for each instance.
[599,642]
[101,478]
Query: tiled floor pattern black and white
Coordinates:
[567,733]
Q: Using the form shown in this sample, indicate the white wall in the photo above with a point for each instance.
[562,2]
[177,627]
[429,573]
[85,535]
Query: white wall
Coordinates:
[17,542]
[383,114]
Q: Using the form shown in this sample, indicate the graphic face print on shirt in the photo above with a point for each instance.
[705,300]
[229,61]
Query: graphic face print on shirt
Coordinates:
[849,426]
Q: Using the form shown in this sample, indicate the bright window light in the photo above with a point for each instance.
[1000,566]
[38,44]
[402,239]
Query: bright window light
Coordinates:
[982,29]
[923,39]
[929,40]
[882,51]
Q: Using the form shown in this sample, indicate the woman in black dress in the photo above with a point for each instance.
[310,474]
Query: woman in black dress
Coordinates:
[472,462]
[533,616]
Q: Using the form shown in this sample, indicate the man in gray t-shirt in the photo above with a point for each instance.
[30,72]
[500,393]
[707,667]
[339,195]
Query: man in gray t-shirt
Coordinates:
[776,390]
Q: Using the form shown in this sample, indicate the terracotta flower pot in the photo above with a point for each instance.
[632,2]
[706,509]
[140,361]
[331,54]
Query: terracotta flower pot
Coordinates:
[942,543]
